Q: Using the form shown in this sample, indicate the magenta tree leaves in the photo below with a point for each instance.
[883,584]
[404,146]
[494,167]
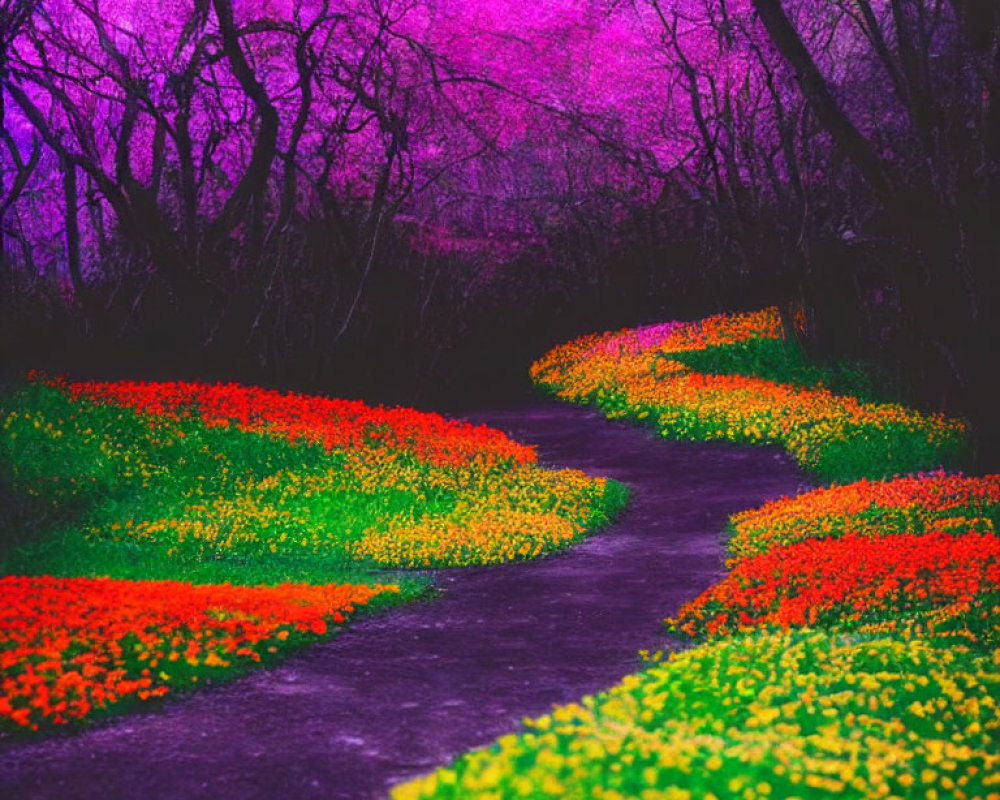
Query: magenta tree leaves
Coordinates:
[19,161]
[121,114]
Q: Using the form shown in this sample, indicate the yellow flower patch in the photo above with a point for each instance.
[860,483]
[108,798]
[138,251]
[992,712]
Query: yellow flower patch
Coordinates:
[491,537]
[807,715]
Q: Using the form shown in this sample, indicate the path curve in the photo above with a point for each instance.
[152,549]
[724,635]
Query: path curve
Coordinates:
[401,693]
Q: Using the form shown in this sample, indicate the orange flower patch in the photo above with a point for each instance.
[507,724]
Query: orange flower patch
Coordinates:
[73,646]
[630,374]
[911,504]
[846,579]
[676,337]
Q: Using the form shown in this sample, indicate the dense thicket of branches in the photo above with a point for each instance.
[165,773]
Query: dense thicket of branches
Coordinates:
[397,197]
[889,238]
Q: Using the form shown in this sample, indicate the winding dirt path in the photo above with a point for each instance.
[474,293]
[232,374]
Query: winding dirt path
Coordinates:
[399,694]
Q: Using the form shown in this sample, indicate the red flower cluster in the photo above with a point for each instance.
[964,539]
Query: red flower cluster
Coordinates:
[845,579]
[928,501]
[330,422]
[69,646]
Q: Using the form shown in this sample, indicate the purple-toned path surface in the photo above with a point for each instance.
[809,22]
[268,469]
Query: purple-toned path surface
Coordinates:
[401,693]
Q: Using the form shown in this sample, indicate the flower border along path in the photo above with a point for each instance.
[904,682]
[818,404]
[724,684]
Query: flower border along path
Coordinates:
[401,693]
[645,375]
[159,496]
[895,691]
[896,694]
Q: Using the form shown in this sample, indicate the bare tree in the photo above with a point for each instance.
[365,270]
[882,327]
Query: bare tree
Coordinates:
[936,194]
[14,16]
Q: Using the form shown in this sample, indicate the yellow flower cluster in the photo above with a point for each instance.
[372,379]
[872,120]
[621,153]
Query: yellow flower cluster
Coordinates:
[489,537]
[283,512]
[497,517]
[779,716]
[381,506]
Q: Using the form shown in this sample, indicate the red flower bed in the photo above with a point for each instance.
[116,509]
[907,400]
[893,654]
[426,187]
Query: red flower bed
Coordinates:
[930,500]
[330,422]
[70,646]
[845,579]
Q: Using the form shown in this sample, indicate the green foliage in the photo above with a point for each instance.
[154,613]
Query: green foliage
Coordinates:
[806,714]
[783,361]
[101,489]
[881,451]
[78,472]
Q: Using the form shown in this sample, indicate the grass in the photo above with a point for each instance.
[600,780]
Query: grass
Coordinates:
[78,473]
[783,361]
[233,494]
[119,492]
[781,715]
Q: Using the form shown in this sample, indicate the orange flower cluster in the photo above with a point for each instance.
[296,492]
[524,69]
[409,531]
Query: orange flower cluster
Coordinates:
[555,366]
[72,646]
[846,579]
[910,504]
[724,329]
[331,422]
